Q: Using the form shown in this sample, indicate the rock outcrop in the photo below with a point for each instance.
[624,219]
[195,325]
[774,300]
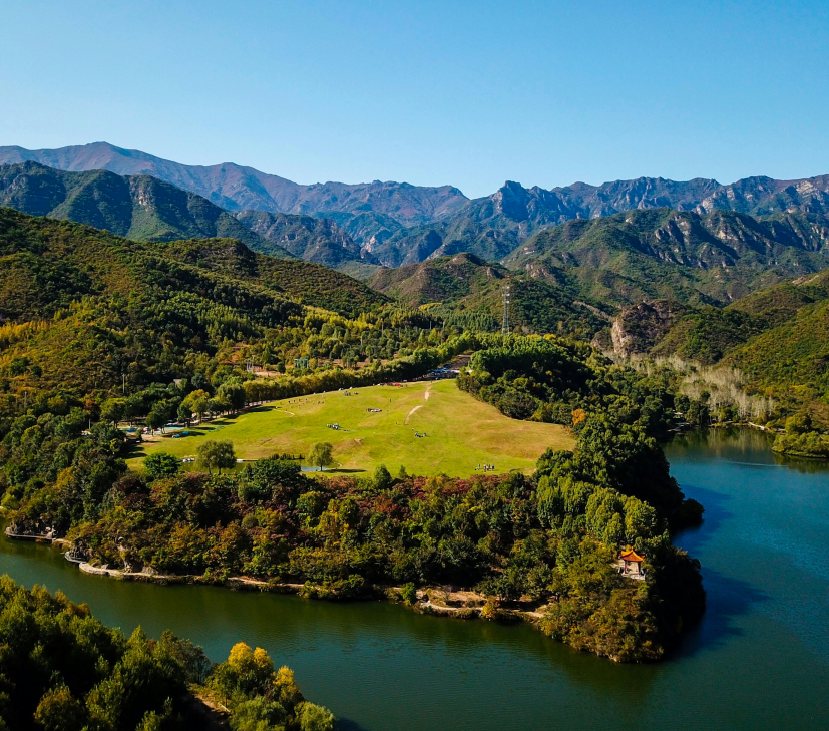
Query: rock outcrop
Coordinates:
[637,329]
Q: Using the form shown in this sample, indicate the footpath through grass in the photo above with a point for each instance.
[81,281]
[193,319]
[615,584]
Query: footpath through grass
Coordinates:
[461,432]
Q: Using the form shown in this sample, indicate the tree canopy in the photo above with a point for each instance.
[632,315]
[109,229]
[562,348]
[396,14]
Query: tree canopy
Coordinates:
[216,454]
[321,455]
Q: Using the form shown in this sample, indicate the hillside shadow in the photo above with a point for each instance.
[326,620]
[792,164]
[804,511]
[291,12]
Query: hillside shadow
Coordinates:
[716,513]
[207,428]
[346,724]
[728,600]
[258,409]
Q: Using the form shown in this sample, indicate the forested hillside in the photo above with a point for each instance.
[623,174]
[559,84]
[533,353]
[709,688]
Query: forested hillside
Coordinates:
[51,263]
[241,188]
[665,254]
[319,240]
[776,337]
[136,207]
[466,289]
[87,309]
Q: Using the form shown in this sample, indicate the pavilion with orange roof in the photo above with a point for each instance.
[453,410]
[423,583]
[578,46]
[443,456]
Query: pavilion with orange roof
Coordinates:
[633,562]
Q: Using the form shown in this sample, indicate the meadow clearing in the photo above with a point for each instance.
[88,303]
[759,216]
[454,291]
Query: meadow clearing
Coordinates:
[460,431]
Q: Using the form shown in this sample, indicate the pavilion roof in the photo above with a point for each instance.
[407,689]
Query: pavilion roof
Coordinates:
[631,556]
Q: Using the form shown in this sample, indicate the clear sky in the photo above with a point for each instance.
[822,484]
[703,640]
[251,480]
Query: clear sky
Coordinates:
[449,92]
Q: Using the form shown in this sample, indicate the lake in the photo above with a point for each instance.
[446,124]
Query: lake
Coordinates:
[759,658]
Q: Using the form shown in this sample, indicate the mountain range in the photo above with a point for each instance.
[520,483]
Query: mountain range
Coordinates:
[241,188]
[144,208]
[139,207]
[712,258]
[398,223]
[495,226]
[613,245]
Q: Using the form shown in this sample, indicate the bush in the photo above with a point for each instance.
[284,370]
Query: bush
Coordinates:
[408,593]
[161,464]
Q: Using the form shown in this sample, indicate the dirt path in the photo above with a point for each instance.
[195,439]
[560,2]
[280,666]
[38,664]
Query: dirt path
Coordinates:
[419,406]
[207,714]
[425,398]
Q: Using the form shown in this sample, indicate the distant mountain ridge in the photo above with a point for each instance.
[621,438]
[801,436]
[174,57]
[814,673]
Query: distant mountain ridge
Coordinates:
[662,253]
[495,226]
[396,224]
[241,188]
[144,208]
[312,239]
[139,207]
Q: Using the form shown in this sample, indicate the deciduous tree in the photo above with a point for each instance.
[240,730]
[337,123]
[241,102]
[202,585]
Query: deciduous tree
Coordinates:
[321,455]
[215,454]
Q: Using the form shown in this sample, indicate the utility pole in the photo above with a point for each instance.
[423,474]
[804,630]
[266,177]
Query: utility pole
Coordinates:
[505,322]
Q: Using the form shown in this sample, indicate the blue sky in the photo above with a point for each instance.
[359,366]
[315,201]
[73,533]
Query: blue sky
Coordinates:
[461,93]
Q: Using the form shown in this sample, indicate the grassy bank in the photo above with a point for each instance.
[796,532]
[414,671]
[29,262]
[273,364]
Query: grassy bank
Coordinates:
[461,432]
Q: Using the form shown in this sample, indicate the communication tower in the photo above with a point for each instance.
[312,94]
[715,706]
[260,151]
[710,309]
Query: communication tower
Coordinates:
[505,323]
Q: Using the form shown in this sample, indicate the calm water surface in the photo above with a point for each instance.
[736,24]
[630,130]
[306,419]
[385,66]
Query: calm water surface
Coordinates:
[758,660]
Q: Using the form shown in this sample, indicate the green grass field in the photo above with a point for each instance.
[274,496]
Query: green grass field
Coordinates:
[461,431]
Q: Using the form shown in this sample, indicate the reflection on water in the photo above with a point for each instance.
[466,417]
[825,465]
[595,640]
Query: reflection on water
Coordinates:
[759,658]
[754,445]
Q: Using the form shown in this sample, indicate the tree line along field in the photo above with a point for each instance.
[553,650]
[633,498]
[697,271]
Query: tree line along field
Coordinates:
[460,431]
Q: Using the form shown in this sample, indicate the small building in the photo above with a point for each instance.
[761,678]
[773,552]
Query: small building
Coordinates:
[633,562]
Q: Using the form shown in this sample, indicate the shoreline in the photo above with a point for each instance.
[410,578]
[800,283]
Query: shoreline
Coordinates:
[433,600]
[437,601]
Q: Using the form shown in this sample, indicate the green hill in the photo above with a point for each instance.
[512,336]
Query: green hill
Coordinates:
[319,240]
[465,286]
[792,355]
[102,308]
[137,207]
[303,282]
[444,279]
[49,264]
[792,349]
[705,333]
[778,337]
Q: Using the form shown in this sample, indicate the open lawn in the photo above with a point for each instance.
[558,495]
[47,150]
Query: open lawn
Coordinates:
[460,431]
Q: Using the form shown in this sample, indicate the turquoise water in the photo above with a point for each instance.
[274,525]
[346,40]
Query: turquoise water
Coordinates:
[758,660]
